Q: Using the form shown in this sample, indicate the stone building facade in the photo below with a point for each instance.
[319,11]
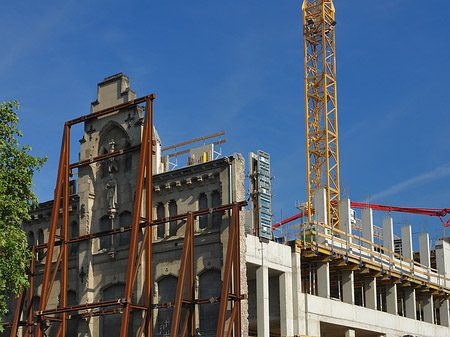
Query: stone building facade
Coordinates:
[102,198]
[325,283]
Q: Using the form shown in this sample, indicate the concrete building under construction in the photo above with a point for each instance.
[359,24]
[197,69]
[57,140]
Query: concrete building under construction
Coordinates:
[198,263]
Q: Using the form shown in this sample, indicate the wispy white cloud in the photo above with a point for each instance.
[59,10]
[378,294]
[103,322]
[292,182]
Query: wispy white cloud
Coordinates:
[437,173]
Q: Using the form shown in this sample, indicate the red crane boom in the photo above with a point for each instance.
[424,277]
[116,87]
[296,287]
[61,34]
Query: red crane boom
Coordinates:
[413,210]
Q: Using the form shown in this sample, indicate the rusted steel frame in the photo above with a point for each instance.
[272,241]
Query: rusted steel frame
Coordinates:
[143,324]
[199,212]
[233,319]
[142,224]
[181,280]
[191,279]
[188,150]
[148,316]
[237,276]
[136,216]
[65,234]
[81,307]
[51,240]
[193,141]
[104,156]
[29,330]
[231,250]
[137,263]
[15,324]
[21,300]
[111,109]
[52,281]
[189,321]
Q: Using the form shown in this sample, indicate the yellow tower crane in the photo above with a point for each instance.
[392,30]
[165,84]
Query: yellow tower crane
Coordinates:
[320,105]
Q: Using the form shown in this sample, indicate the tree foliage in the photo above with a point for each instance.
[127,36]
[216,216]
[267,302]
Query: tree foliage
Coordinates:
[17,167]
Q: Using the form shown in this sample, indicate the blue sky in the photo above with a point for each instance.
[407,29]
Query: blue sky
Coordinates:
[237,66]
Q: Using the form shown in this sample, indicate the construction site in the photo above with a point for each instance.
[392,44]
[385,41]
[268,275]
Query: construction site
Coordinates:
[143,239]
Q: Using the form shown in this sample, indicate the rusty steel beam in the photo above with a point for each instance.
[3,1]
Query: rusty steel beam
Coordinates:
[191,282]
[181,280]
[53,225]
[237,276]
[148,319]
[188,150]
[104,156]
[144,223]
[111,109]
[65,235]
[81,307]
[193,141]
[231,251]
[15,324]
[29,330]
[146,145]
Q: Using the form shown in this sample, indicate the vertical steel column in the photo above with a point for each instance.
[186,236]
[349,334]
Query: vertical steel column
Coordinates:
[51,240]
[189,322]
[231,250]
[29,330]
[191,288]
[237,274]
[65,232]
[148,250]
[15,325]
[187,243]
[135,225]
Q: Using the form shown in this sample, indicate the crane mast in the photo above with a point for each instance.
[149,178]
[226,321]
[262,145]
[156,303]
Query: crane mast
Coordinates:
[321,105]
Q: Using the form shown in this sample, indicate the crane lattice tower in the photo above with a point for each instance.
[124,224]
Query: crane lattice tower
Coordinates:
[321,105]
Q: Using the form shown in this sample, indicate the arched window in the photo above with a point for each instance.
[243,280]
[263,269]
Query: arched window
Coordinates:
[167,287]
[74,232]
[105,225]
[217,216]
[111,323]
[160,214]
[72,323]
[41,252]
[173,210]
[202,204]
[30,238]
[125,220]
[209,287]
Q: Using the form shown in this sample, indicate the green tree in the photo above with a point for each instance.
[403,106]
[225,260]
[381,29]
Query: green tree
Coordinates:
[17,167]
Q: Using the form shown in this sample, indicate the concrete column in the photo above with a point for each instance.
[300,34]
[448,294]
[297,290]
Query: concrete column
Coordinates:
[388,235]
[350,333]
[345,216]
[286,305]
[262,301]
[321,205]
[391,299]
[428,308]
[443,266]
[370,291]
[313,326]
[323,282]
[348,292]
[424,243]
[444,313]
[410,303]
[321,212]
[298,296]
[367,227]
[407,249]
